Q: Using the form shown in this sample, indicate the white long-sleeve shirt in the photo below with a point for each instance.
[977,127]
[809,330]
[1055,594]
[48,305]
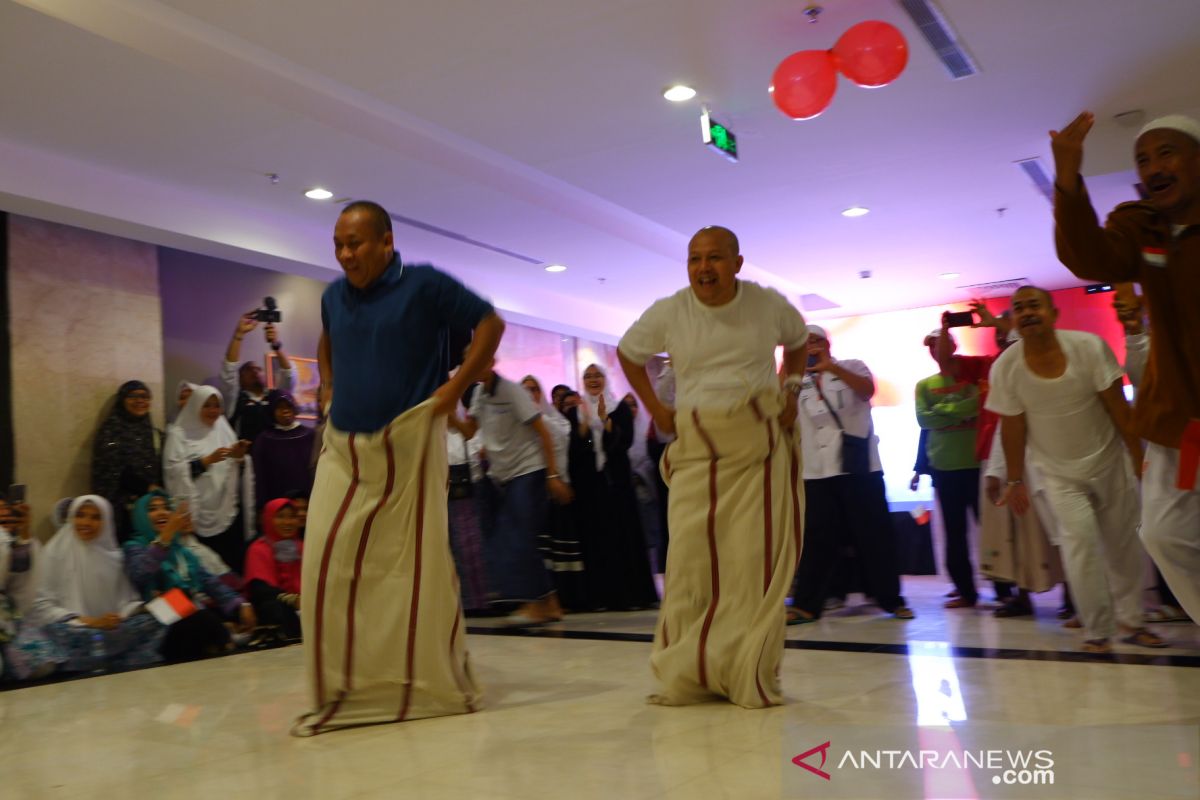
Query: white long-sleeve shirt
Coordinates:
[231,384]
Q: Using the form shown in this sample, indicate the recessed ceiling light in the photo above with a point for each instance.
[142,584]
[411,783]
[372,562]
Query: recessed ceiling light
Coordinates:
[555,268]
[679,93]
[856,211]
[318,194]
[948,276]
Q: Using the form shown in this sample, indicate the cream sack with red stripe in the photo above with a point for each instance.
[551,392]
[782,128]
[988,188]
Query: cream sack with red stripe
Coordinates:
[736,517]
[383,630]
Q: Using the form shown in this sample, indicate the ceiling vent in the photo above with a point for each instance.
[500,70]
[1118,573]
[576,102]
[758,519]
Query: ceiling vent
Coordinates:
[1004,288]
[814,302]
[1036,172]
[460,237]
[941,37]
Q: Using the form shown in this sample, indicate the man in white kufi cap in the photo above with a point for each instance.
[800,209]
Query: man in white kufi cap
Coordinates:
[1154,242]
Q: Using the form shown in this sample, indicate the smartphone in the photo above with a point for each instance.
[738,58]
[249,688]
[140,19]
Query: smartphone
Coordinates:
[959,319]
[16,494]
[812,359]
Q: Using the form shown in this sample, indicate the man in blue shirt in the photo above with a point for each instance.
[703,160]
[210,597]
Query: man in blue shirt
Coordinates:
[379,601]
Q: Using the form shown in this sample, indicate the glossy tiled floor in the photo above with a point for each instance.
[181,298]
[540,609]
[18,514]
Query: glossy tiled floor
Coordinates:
[566,717]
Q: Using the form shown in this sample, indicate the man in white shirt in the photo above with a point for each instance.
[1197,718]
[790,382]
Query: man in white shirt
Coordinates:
[845,503]
[244,388]
[736,502]
[522,475]
[1059,392]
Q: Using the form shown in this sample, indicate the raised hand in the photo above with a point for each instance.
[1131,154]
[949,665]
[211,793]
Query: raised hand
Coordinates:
[246,324]
[1067,146]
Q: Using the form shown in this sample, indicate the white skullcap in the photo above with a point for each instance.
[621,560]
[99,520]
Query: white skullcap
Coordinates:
[818,331]
[1173,122]
[934,334]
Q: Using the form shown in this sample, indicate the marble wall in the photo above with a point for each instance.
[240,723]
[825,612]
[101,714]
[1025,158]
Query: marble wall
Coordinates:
[85,316]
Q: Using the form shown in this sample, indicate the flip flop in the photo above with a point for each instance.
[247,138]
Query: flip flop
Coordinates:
[1097,646]
[797,617]
[1145,638]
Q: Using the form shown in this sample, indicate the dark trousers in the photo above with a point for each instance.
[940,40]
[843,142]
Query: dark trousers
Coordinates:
[847,509]
[271,611]
[513,515]
[655,450]
[230,545]
[201,635]
[958,491]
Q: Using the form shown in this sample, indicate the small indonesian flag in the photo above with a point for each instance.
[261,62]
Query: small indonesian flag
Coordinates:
[1154,256]
[921,515]
[170,607]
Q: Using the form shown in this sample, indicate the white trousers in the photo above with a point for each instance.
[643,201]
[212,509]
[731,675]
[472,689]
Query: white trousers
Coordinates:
[1097,528]
[1171,526]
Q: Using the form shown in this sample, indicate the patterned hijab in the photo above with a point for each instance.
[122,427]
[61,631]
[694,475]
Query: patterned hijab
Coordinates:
[124,443]
[180,569]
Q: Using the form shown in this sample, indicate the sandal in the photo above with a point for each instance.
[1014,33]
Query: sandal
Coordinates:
[797,617]
[1165,613]
[904,612]
[1145,638]
[1014,608]
[1099,646]
[1073,622]
[959,602]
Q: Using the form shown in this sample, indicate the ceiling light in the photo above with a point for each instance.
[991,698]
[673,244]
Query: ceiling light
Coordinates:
[948,276]
[679,93]
[555,268]
[318,194]
[856,211]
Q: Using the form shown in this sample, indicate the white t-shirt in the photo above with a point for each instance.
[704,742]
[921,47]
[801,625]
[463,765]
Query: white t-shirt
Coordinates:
[1070,434]
[513,448]
[721,355]
[820,437]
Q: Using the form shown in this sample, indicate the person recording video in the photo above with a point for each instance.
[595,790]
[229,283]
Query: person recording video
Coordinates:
[245,387]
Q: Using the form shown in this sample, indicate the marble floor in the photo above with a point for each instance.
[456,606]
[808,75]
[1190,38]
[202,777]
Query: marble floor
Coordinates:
[565,716]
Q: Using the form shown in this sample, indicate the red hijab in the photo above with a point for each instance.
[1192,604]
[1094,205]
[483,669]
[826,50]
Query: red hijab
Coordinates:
[271,559]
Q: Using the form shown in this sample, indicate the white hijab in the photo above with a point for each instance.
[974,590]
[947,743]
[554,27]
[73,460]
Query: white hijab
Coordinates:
[79,578]
[212,497]
[592,405]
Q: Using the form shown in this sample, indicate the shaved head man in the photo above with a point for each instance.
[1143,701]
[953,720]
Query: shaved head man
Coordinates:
[718,637]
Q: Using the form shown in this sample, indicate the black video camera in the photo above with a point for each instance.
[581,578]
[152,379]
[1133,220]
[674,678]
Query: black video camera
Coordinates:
[268,313]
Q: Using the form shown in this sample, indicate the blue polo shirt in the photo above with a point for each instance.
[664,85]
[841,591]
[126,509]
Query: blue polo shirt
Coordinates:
[390,342]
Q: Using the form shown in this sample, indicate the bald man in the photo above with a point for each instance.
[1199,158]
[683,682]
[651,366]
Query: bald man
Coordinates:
[736,500]
[1154,242]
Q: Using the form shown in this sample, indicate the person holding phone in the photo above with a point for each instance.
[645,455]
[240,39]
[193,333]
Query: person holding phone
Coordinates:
[19,551]
[844,505]
[207,466]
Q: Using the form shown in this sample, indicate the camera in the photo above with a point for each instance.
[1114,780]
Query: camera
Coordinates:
[268,313]
[959,319]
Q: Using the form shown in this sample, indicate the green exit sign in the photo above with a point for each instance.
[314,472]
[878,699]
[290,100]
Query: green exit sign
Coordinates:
[718,137]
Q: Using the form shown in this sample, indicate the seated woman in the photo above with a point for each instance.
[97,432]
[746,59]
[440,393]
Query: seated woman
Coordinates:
[282,454]
[205,464]
[125,458]
[19,551]
[158,559]
[273,570]
[83,602]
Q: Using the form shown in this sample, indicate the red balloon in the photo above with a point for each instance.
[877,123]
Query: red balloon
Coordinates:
[804,82]
[871,53]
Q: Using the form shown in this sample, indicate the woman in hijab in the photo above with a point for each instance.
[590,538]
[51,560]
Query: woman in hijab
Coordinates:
[282,454]
[159,559]
[273,569]
[205,466]
[560,543]
[83,601]
[125,458]
[184,393]
[618,560]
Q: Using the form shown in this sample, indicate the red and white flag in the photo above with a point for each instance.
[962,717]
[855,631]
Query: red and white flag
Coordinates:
[170,607]
[1154,256]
